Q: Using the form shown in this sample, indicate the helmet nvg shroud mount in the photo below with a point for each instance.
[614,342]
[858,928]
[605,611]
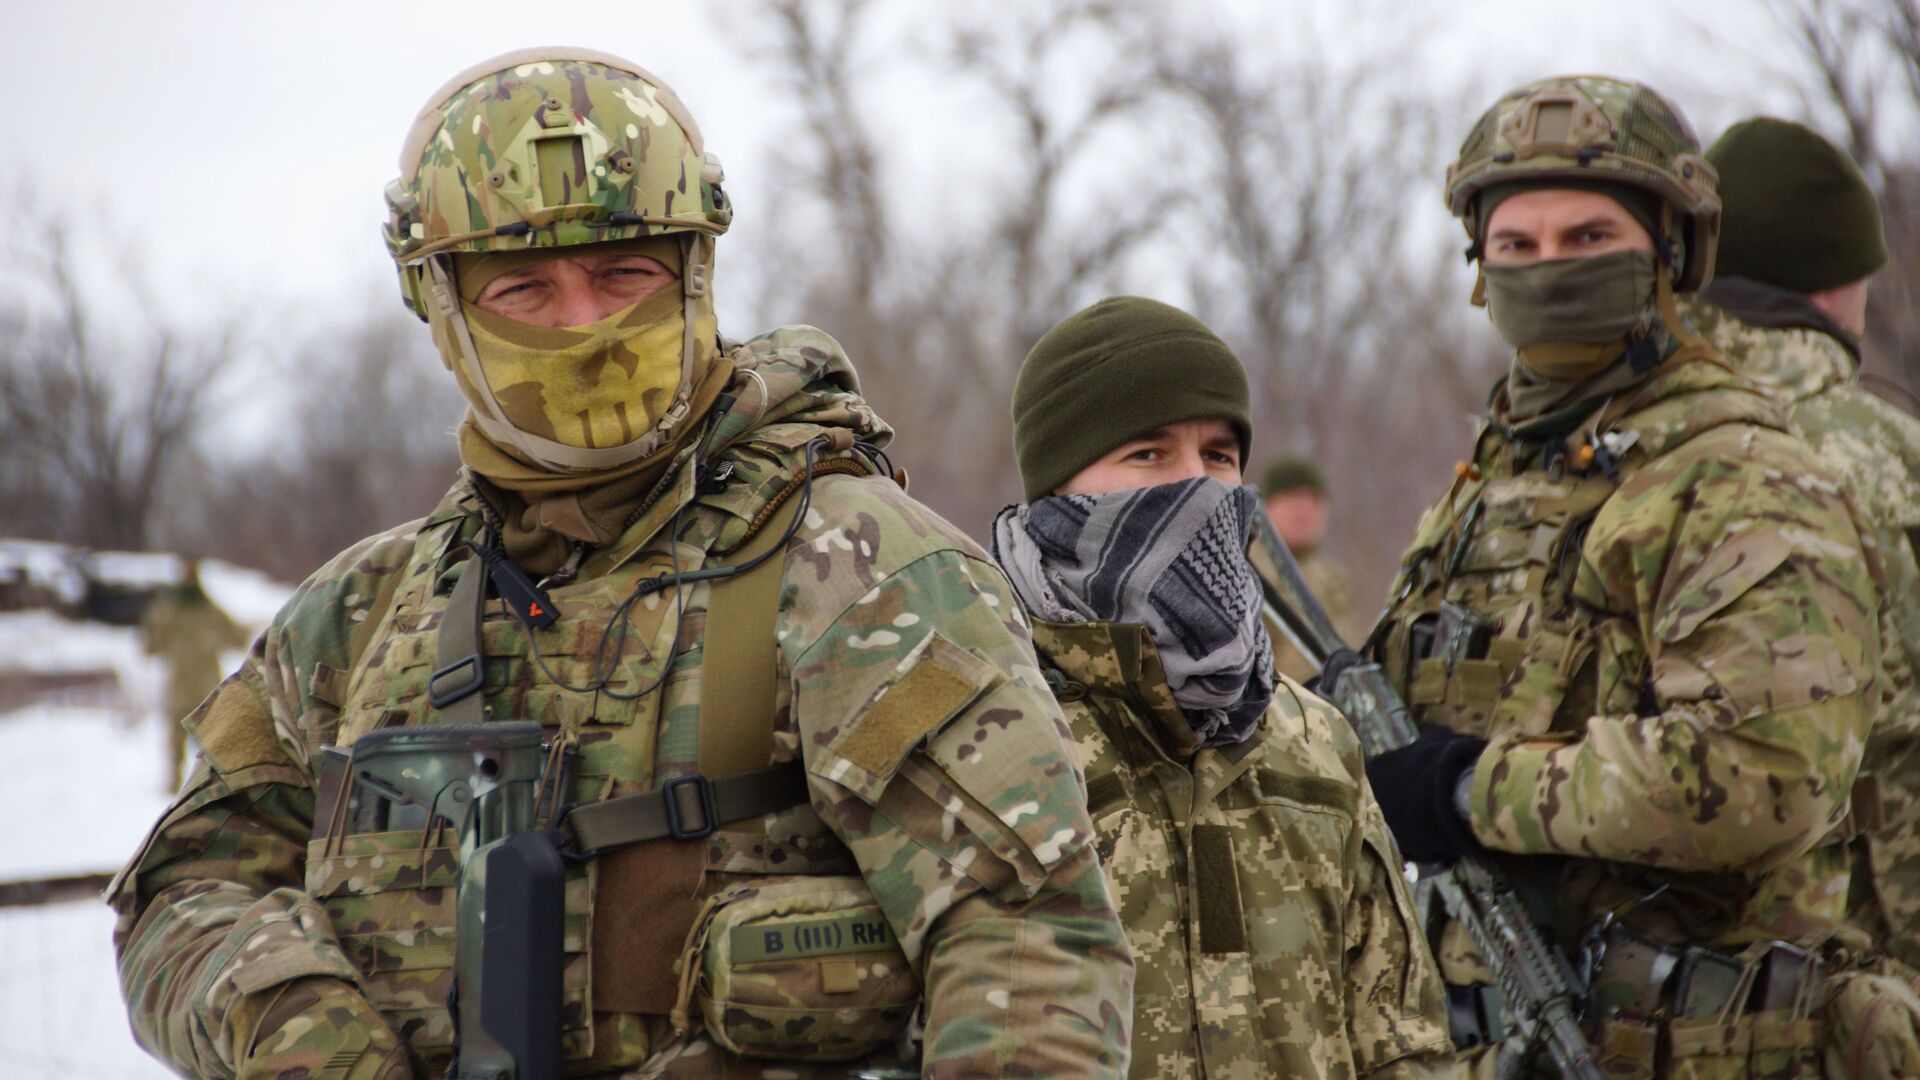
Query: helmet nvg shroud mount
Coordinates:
[549,147]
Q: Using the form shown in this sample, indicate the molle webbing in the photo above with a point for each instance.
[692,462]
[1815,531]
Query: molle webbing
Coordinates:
[739,668]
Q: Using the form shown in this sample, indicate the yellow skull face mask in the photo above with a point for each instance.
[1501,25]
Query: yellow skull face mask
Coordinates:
[597,386]
[579,399]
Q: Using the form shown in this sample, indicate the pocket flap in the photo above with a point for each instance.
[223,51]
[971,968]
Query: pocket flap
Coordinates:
[1718,580]
[379,862]
[400,950]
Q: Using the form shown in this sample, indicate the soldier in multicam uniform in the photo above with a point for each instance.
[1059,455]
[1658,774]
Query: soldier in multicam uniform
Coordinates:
[1788,304]
[1271,927]
[1295,492]
[554,225]
[188,631]
[1641,626]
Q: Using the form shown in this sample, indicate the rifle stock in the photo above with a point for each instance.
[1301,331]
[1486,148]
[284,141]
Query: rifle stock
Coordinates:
[1538,987]
[483,779]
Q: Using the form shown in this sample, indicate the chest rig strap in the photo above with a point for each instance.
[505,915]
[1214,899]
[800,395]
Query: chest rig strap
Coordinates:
[739,666]
[459,667]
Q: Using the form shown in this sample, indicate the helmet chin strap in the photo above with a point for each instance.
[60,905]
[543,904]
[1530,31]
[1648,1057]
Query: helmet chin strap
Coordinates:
[1663,283]
[696,271]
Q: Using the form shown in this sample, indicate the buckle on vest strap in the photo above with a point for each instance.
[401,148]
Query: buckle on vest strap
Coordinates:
[455,681]
[683,804]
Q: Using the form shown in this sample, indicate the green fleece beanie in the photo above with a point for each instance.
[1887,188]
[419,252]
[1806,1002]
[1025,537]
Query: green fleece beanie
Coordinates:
[1118,369]
[1797,215]
[1292,474]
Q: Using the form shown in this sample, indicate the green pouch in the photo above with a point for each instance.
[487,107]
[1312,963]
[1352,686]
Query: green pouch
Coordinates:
[1626,1047]
[1786,1046]
[798,969]
[1708,1049]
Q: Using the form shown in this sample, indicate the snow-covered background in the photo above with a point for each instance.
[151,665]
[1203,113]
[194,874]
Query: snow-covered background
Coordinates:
[90,709]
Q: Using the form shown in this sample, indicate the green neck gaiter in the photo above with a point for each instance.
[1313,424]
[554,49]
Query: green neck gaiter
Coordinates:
[1570,322]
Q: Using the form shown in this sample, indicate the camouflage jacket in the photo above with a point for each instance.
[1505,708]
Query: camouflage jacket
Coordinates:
[1874,448]
[1271,928]
[1671,641]
[964,813]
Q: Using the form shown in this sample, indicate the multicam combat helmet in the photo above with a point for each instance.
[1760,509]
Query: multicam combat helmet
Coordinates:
[546,148]
[1593,128]
[550,148]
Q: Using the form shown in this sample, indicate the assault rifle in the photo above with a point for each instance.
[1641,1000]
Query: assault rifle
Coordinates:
[484,781]
[1537,987]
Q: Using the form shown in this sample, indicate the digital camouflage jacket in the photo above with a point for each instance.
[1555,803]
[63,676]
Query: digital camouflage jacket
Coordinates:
[956,800]
[1272,931]
[1874,448]
[1674,662]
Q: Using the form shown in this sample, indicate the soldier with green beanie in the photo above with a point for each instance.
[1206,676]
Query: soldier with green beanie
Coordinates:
[819,812]
[1295,493]
[1801,240]
[1273,934]
[1641,627]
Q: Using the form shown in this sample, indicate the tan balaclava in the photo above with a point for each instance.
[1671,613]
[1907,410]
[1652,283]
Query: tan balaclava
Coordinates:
[602,388]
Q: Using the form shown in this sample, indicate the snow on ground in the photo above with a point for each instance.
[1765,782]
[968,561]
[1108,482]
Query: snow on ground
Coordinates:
[82,790]
[84,782]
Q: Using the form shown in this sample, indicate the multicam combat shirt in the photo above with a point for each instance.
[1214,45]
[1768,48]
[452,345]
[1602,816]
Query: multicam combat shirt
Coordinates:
[1674,663]
[965,817]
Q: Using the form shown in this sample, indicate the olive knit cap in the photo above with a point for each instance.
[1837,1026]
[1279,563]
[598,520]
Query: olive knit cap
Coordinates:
[1118,369]
[1798,213]
[1292,474]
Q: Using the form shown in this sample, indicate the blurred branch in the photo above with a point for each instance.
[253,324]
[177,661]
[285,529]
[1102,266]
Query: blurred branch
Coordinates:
[97,424]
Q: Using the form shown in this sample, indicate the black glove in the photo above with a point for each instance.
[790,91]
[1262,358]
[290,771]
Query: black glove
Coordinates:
[1415,785]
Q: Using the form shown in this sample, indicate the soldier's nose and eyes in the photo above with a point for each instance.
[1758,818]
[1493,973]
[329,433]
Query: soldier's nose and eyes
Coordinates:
[1166,455]
[575,290]
[1556,223]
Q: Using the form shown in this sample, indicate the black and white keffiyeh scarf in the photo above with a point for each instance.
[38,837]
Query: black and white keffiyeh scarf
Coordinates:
[1172,557]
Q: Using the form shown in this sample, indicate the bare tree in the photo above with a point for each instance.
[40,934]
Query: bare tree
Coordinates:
[1338,295]
[938,321]
[98,416]
[369,446]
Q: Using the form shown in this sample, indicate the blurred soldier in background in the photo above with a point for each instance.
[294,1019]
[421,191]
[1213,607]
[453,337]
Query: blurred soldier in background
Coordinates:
[854,736]
[1295,492]
[1801,237]
[1271,928]
[188,632]
[1640,628]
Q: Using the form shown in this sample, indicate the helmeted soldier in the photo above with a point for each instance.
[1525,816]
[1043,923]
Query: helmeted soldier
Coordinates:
[1640,627]
[1294,490]
[688,561]
[1801,239]
[1271,928]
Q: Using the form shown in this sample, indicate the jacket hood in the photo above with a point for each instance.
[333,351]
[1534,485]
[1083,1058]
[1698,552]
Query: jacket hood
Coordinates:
[795,376]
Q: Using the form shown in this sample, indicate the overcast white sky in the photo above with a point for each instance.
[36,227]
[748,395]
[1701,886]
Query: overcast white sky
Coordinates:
[238,150]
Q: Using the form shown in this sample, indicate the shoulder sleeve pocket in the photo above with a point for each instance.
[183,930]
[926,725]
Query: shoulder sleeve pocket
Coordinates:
[1717,581]
[933,684]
